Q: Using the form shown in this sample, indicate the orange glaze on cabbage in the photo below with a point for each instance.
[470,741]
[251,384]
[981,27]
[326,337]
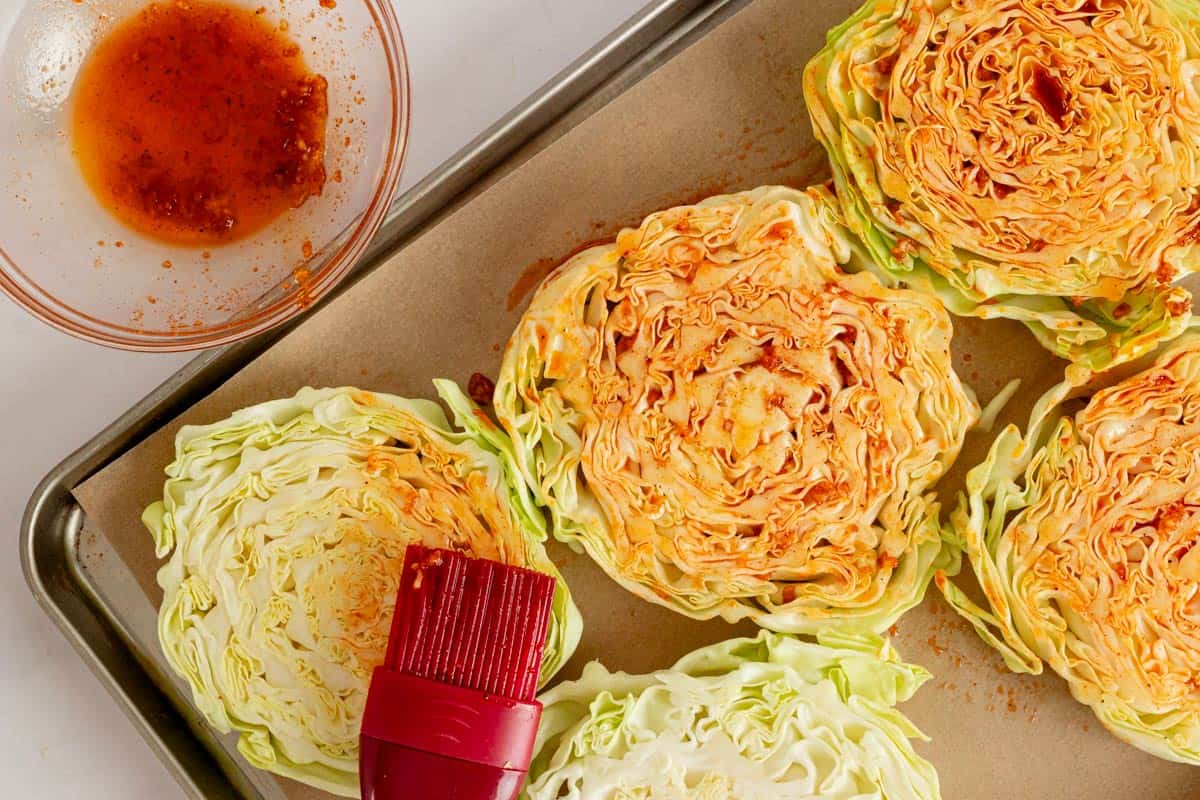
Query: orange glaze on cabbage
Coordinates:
[1086,548]
[1035,159]
[731,424]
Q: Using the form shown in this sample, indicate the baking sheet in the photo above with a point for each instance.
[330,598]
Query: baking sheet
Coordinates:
[726,114]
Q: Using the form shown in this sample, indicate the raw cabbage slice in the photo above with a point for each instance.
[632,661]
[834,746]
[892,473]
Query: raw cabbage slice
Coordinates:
[734,419]
[286,526]
[752,719]
[1083,535]
[1037,160]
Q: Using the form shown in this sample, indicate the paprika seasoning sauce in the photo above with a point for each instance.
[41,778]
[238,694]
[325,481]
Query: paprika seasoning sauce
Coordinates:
[198,123]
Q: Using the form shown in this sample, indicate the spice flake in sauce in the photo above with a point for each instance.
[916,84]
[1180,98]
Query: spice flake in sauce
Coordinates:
[198,123]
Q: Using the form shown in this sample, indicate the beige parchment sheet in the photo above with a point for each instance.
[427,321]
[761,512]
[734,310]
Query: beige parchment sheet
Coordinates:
[727,114]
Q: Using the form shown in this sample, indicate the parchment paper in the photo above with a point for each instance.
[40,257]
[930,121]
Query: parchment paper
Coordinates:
[725,115]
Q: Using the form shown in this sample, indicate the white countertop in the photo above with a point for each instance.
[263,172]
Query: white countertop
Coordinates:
[61,735]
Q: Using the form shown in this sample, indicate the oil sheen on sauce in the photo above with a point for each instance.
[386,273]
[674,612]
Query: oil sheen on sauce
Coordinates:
[198,123]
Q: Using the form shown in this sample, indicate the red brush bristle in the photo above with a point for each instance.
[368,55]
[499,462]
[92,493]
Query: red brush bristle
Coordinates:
[470,622]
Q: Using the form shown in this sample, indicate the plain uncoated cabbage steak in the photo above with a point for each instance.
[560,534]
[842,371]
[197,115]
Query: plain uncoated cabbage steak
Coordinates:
[751,719]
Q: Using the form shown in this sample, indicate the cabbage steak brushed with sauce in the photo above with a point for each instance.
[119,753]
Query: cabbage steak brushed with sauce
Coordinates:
[734,419]
[1083,533]
[286,526]
[1037,160]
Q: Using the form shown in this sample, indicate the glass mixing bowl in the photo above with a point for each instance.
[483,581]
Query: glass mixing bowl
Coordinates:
[71,263]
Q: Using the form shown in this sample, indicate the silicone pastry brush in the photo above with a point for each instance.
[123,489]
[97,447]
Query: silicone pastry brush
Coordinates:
[450,714]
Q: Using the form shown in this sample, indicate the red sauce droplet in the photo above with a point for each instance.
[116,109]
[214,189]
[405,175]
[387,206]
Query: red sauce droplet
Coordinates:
[1050,94]
[199,123]
[1189,237]
[481,388]
[770,360]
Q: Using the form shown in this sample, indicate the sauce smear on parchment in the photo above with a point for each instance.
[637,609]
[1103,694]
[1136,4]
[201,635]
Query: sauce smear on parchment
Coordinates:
[198,123]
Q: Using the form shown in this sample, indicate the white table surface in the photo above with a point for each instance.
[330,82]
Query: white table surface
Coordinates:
[61,736]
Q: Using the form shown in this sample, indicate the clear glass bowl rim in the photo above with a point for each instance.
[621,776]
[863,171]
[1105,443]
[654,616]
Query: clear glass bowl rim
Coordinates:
[54,312]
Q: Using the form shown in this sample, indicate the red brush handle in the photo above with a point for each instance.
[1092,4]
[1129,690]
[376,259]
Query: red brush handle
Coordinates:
[450,714]
[424,740]
[451,721]
[392,772]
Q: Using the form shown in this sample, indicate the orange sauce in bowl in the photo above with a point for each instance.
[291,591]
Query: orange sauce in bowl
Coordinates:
[198,123]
